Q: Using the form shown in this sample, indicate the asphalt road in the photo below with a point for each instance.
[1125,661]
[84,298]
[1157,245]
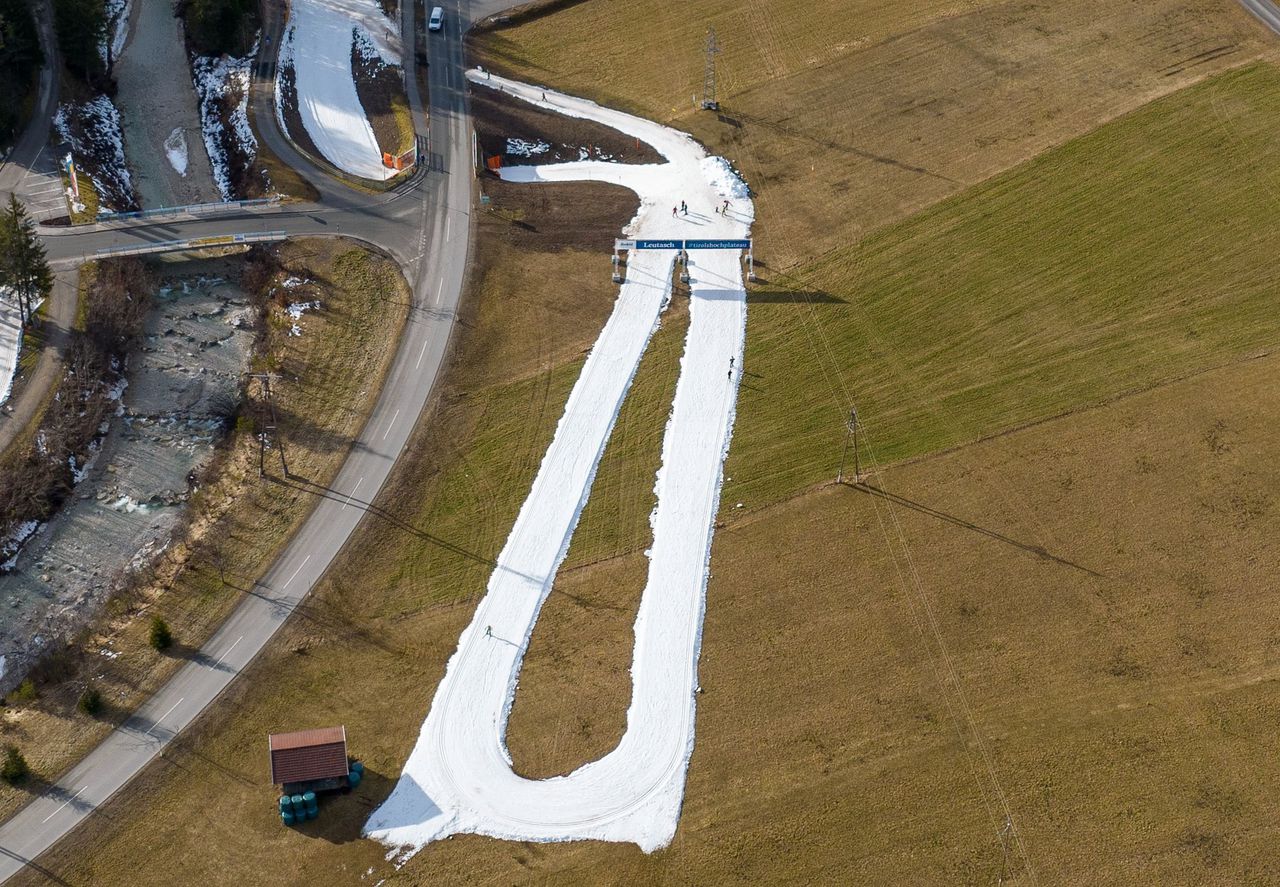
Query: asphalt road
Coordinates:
[1267,11]
[426,227]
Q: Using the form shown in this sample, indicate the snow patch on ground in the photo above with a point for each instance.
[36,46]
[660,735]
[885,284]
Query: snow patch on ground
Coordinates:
[13,541]
[175,149]
[295,310]
[317,47]
[92,129]
[117,30]
[459,776]
[10,341]
[523,148]
[219,81]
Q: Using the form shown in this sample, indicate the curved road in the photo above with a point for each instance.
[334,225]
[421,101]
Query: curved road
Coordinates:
[426,227]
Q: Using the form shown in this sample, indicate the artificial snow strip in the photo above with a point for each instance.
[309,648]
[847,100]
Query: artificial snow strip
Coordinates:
[459,777]
[317,48]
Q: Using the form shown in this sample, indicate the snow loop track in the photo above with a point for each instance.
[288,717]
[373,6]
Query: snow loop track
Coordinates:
[459,776]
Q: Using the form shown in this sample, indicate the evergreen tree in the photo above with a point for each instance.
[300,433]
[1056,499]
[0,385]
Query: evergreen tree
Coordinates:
[81,26]
[24,269]
[20,61]
[161,637]
[14,769]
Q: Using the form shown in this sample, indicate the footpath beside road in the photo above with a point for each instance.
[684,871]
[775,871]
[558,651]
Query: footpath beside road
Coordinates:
[18,414]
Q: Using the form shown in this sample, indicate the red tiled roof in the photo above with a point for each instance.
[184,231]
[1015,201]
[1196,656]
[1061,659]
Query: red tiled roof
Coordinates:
[308,755]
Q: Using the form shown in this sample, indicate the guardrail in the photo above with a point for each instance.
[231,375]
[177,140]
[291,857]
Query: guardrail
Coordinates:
[169,246]
[194,209]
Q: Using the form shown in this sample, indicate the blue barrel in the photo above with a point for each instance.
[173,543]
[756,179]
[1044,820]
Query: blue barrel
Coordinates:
[310,800]
[313,812]
[286,816]
[357,767]
[285,803]
[299,806]
[353,778]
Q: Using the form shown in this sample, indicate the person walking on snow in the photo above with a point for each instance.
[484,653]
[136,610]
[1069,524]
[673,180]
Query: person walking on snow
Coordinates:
[684,207]
[726,207]
[674,210]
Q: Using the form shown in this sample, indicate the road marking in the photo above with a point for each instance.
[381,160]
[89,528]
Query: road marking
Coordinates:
[65,803]
[438,289]
[165,715]
[296,572]
[389,424]
[420,354]
[446,229]
[352,493]
[229,649]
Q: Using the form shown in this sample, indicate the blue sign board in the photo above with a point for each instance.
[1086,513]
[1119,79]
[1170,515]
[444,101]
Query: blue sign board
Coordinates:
[681,244]
[717,244]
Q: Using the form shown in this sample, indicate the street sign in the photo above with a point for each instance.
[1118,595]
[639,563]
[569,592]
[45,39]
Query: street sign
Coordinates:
[658,244]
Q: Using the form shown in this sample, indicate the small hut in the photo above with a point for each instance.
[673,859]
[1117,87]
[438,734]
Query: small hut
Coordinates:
[310,760]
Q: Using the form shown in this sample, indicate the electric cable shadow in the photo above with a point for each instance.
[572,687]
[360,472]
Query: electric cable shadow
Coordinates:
[1037,550]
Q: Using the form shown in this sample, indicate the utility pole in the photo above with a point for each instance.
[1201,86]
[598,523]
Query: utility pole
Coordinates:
[709,102]
[851,431]
[270,429]
[1004,849]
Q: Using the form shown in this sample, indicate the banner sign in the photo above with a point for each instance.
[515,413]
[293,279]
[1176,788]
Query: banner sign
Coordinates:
[619,245]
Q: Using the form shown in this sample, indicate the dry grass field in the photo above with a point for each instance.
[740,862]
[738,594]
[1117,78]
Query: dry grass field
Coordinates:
[1049,601]
[847,114]
[1067,620]
[1020,616]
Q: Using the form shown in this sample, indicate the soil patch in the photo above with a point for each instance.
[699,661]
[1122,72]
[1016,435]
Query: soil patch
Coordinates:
[380,88]
[525,135]
[287,99]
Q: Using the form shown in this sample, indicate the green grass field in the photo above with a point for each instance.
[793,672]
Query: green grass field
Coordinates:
[1134,255]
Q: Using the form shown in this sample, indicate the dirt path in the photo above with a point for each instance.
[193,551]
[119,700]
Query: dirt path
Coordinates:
[18,412]
[157,104]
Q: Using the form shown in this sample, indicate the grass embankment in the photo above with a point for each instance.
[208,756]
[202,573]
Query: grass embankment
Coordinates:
[272,176]
[323,392]
[845,115]
[88,199]
[1115,679]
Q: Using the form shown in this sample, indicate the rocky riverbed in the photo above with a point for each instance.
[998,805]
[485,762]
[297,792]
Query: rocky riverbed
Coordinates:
[183,382]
